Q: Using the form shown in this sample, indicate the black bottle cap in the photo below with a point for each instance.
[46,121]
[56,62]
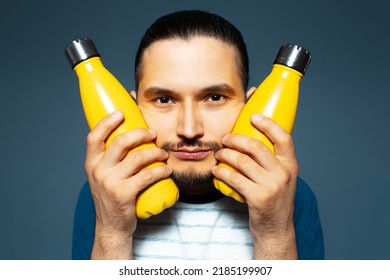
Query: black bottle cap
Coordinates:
[79,50]
[294,56]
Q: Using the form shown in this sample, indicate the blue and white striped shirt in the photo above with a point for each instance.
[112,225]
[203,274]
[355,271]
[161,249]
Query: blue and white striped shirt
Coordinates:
[214,230]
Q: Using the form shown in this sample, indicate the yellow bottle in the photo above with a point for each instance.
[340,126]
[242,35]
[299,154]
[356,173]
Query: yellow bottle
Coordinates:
[276,98]
[101,94]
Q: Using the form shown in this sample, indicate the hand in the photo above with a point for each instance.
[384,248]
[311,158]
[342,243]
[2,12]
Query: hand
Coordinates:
[268,183]
[116,177]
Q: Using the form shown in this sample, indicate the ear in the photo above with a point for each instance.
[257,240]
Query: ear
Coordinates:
[134,95]
[250,92]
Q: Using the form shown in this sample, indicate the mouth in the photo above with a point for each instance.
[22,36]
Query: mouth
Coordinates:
[191,154]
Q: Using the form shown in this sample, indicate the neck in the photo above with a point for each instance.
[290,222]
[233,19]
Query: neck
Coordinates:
[200,198]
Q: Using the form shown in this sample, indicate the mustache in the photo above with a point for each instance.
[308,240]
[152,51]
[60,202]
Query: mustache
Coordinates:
[192,143]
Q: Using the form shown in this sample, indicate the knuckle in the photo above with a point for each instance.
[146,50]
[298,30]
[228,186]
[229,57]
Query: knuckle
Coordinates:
[284,176]
[255,145]
[141,133]
[244,162]
[131,138]
[286,139]
[146,176]
[97,175]
[294,169]
[91,138]
[235,179]
[135,158]
[87,166]
[120,140]
[106,182]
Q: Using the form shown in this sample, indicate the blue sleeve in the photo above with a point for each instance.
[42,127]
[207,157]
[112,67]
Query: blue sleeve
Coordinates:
[308,229]
[84,225]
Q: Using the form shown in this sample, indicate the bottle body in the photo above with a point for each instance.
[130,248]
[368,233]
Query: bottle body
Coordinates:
[101,94]
[276,98]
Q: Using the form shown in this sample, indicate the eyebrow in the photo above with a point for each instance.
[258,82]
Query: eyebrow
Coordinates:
[225,88]
[158,90]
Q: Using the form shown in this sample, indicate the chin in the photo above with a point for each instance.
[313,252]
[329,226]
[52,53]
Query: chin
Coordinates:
[197,167]
[194,182]
[192,169]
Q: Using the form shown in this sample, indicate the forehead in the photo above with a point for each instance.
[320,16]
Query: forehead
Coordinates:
[196,62]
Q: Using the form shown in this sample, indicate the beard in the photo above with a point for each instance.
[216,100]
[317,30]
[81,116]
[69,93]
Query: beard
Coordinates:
[195,187]
[192,182]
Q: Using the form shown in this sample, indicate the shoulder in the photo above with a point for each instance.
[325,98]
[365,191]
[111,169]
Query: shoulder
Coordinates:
[85,201]
[305,206]
[83,225]
[307,223]
[304,194]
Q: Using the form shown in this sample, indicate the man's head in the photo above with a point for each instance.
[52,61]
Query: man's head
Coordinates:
[188,24]
[191,75]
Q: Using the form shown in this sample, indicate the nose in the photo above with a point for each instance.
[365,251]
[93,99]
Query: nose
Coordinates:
[190,123]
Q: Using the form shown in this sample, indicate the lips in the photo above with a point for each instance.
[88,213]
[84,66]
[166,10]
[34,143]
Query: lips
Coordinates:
[191,154]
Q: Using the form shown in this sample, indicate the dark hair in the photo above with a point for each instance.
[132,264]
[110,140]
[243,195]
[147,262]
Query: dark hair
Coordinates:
[187,24]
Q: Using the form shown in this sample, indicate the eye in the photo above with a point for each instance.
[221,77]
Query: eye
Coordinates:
[163,100]
[215,98]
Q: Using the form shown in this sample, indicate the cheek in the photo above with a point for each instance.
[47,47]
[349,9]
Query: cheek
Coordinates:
[163,124]
[221,124]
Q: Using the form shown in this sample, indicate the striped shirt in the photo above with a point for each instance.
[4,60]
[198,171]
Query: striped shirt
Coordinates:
[214,230]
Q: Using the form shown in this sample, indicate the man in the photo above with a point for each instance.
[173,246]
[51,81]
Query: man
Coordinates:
[191,78]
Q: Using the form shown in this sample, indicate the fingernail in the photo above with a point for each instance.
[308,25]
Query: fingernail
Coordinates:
[116,114]
[152,132]
[257,117]
[224,139]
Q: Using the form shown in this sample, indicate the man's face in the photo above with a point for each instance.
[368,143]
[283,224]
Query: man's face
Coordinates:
[190,93]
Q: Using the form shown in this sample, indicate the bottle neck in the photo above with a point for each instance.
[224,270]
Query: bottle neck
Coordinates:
[286,72]
[88,65]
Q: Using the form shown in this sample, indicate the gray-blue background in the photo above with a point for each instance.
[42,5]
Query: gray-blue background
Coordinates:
[341,134]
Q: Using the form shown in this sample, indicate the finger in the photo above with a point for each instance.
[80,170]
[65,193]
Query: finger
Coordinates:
[123,143]
[242,163]
[282,140]
[146,177]
[97,136]
[254,148]
[137,160]
[234,179]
